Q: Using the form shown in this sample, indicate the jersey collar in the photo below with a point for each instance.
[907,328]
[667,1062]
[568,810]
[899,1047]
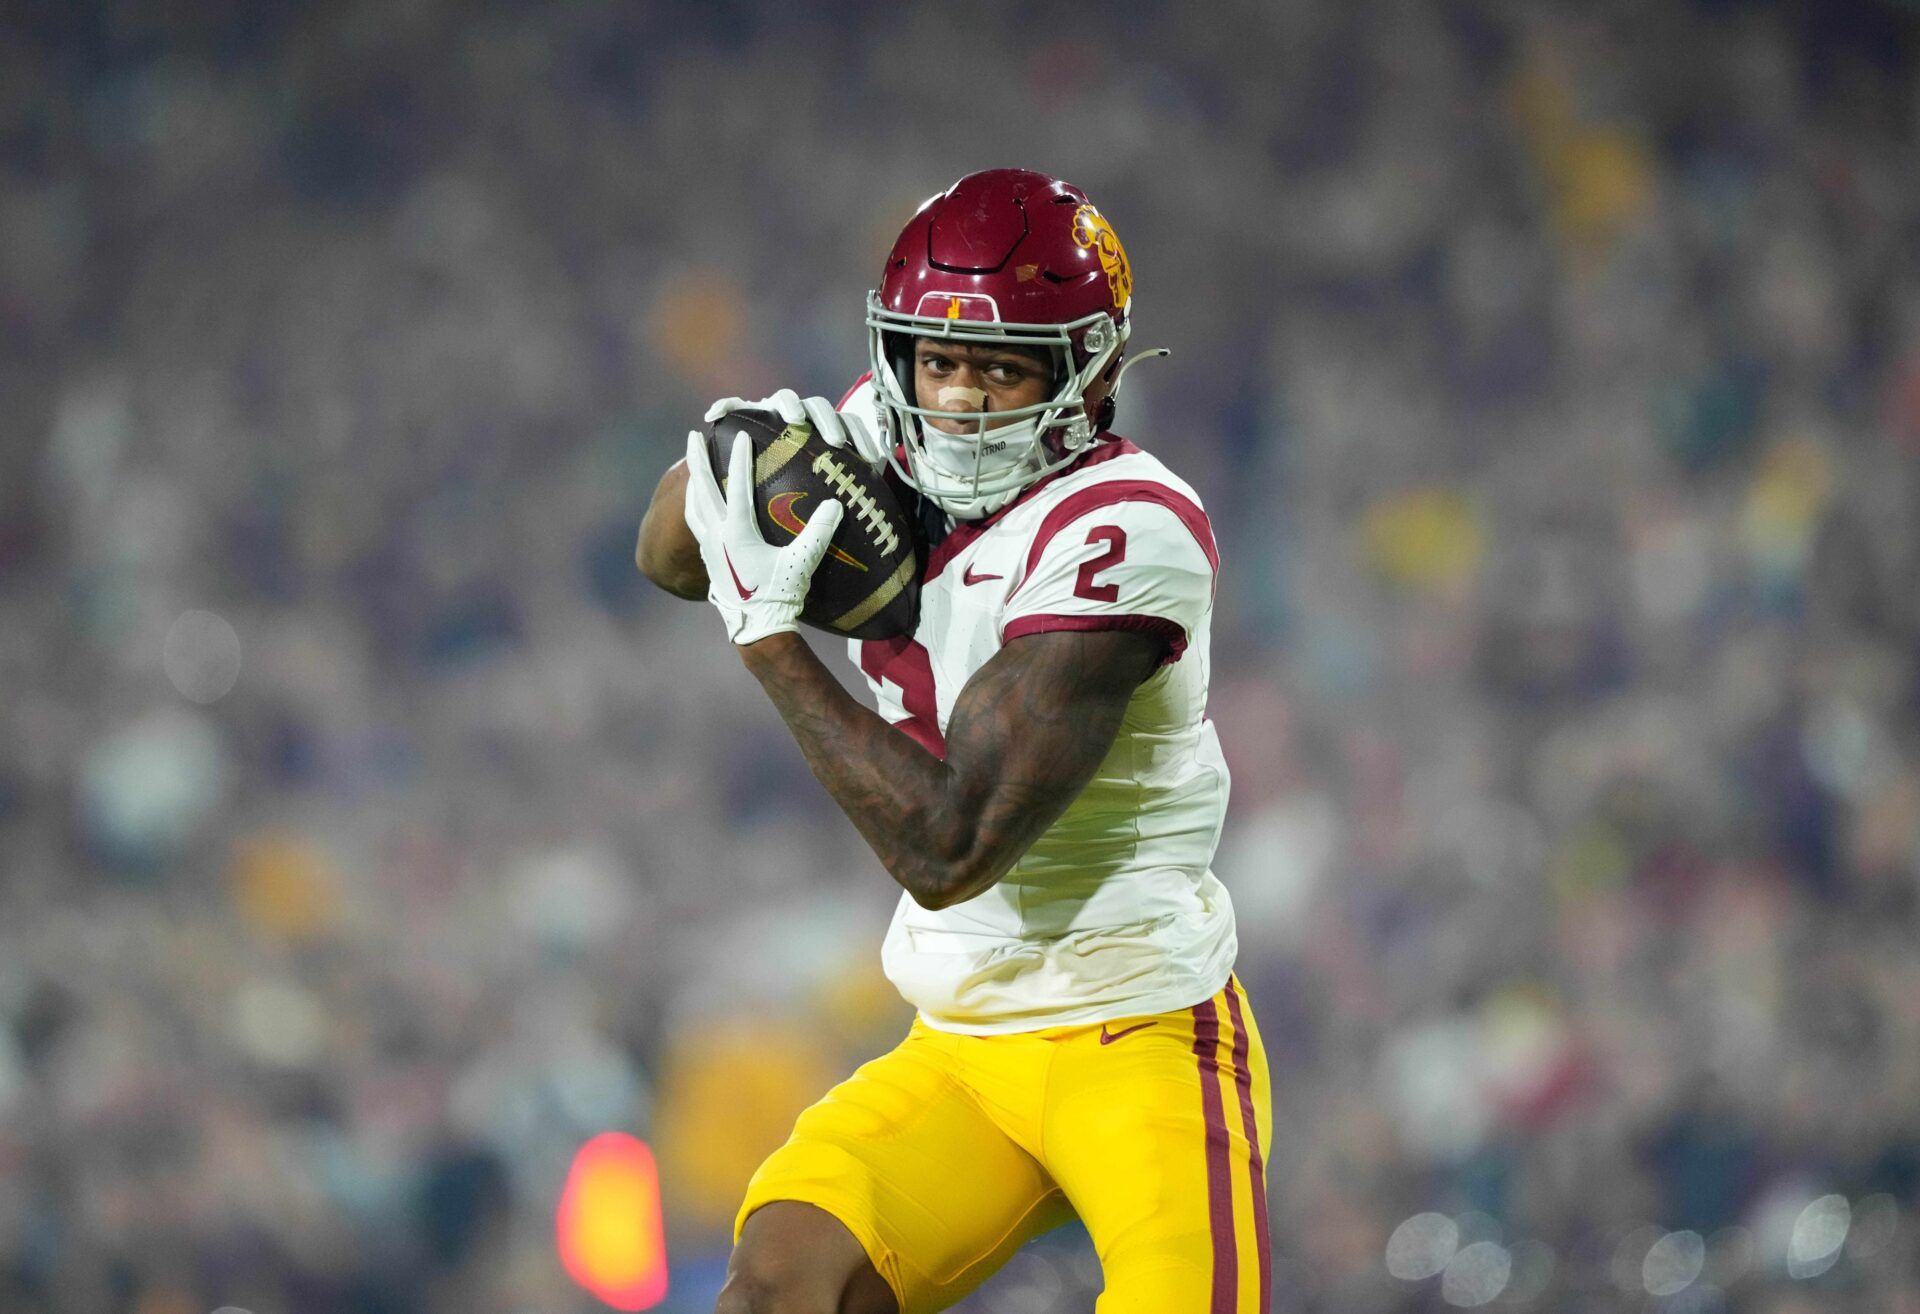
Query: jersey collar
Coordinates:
[1103,449]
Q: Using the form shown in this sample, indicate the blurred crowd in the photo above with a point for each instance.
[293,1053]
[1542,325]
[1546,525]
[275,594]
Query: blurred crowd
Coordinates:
[371,835]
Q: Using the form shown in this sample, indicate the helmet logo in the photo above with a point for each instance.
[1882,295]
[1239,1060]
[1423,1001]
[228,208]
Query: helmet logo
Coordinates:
[958,305]
[1091,231]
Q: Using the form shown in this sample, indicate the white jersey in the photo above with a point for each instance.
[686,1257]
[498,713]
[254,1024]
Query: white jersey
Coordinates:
[1113,912]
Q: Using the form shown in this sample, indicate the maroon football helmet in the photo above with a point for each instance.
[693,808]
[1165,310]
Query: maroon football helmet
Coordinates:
[1003,257]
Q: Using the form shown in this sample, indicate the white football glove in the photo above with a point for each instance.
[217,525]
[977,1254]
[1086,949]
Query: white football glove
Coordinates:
[758,588]
[838,428]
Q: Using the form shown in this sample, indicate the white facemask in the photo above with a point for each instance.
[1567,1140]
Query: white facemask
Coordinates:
[974,473]
[951,467]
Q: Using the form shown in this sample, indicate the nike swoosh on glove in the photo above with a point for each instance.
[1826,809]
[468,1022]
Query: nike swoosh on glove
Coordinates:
[843,429]
[758,589]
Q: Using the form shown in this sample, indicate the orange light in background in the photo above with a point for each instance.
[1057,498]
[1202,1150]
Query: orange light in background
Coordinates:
[610,1235]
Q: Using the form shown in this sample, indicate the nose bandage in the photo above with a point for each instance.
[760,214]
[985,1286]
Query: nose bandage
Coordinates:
[973,397]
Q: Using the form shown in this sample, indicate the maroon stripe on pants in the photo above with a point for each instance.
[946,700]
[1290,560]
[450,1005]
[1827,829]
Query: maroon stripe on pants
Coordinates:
[1243,1079]
[1226,1253]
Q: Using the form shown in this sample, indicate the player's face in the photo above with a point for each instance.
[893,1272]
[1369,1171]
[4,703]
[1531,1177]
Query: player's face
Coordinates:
[968,378]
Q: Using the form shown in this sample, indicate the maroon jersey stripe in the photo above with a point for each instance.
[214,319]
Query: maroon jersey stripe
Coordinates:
[1226,1251]
[1257,1172]
[1159,626]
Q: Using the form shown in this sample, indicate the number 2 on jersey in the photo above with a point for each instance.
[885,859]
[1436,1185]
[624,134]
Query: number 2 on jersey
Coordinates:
[1116,540]
[903,663]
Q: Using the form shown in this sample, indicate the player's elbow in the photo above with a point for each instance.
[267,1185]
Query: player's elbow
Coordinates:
[960,848]
[935,895]
[671,571]
[956,879]
[667,553]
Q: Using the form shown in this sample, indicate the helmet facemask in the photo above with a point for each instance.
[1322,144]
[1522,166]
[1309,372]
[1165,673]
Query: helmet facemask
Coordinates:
[976,472]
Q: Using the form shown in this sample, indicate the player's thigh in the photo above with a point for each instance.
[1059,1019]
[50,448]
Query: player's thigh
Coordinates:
[1159,1140]
[936,1195]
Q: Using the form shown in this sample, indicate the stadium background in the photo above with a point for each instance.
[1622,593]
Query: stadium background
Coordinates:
[371,835]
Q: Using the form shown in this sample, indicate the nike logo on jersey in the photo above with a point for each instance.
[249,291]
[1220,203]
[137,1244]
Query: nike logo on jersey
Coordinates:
[968,577]
[1108,1037]
[745,592]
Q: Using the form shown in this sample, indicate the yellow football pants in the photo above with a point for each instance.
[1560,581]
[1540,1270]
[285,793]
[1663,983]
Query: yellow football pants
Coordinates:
[946,1155]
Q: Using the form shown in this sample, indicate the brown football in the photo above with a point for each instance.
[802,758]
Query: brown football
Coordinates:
[868,585]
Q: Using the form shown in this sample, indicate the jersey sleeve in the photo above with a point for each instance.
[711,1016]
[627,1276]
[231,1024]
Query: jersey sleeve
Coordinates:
[1146,563]
[861,393]
[861,406]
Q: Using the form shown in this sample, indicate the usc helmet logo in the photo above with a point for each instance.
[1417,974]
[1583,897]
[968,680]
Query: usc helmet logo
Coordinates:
[1091,231]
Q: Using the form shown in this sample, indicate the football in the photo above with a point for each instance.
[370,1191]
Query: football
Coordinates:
[868,585]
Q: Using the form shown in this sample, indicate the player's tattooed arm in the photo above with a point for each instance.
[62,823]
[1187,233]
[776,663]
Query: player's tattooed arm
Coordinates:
[1023,741]
[668,553]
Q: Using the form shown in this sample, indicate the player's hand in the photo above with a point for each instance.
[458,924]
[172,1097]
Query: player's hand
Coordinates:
[759,589]
[838,428]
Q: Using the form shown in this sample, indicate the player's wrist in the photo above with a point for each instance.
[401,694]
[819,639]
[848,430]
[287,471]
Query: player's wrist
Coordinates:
[756,631]
[770,649]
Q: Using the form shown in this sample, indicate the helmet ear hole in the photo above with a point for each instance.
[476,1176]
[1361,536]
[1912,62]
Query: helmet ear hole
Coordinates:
[900,357]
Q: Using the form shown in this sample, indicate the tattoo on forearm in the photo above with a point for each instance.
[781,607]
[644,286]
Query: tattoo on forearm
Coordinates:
[1025,736]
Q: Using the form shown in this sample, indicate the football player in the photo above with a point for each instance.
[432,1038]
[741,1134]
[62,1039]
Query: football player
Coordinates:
[1042,780]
